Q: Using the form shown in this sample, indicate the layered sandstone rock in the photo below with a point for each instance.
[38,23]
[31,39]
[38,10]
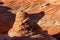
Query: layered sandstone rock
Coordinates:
[54,2]
[24,26]
[49,22]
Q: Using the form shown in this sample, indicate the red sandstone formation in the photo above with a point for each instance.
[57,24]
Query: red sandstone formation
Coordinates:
[49,19]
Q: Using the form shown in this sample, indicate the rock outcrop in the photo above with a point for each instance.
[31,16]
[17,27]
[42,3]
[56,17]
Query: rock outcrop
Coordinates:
[49,19]
[25,28]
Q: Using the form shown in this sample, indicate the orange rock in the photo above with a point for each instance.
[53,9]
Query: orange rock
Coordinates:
[27,28]
[54,2]
[51,9]
[51,20]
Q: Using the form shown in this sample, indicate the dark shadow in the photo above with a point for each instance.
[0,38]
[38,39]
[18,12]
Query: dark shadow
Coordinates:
[57,36]
[28,38]
[32,21]
[1,3]
[4,8]
[35,17]
[7,18]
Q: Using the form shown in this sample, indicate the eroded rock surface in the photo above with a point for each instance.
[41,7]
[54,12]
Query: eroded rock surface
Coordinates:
[27,29]
[49,21]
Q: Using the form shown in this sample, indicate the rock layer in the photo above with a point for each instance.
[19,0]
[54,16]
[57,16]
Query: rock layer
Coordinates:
[49,21]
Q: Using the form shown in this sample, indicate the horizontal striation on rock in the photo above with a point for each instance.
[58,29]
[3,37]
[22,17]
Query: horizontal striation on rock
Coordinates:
[50,20]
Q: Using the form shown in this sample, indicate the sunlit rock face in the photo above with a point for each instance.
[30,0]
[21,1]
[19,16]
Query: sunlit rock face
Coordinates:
[49,22]
[29,29]
[55,2]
